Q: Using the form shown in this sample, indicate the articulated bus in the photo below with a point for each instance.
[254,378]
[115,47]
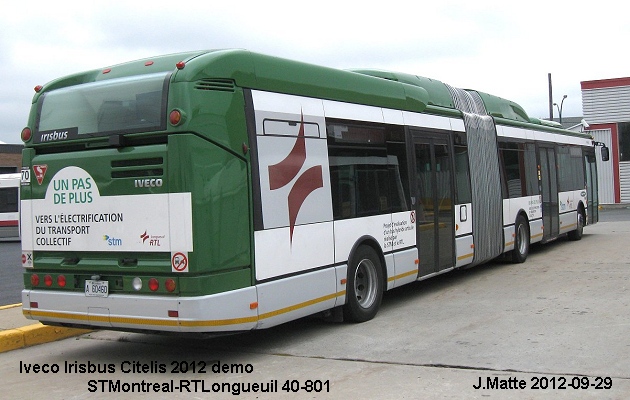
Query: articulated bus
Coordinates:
[9,207]
[225,190]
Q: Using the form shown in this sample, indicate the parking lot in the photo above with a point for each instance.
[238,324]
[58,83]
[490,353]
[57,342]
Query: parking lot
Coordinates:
[555,327]
[11,282]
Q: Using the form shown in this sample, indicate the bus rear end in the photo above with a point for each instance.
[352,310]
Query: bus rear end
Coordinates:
[136,216]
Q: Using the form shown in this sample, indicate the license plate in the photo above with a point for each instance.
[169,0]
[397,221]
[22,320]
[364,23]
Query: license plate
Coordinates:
[96,288]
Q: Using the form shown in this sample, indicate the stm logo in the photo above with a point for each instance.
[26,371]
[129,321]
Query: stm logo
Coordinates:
[284,172]
[112,241]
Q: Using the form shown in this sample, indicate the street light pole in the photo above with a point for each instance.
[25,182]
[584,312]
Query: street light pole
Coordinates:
[560,108]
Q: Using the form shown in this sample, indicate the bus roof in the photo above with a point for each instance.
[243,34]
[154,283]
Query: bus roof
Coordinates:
[257,71]
[440,96]
[144,66]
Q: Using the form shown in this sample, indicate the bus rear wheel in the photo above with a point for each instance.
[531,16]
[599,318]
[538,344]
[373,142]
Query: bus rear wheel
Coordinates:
[364,286]
[521,240]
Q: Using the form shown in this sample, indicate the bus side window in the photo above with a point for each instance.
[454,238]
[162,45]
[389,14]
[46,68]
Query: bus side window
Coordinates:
[462,169]
[398,175]
[368,169]
[518,162]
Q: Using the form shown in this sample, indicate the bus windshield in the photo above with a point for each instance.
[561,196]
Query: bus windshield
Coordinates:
[130,104]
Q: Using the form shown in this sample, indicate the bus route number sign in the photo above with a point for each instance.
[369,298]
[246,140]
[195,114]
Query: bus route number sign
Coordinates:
[25,179]
[96,288]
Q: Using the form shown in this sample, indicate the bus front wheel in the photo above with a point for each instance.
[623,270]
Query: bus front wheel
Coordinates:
[579,230]
[521,240]
[364,287]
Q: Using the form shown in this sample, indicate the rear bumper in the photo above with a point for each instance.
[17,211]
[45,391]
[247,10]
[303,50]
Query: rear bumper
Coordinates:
[228,311]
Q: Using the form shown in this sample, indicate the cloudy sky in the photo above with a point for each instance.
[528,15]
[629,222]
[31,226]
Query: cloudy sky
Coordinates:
[495,46]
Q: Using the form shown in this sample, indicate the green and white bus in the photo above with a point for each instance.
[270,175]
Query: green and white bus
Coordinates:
[226,190]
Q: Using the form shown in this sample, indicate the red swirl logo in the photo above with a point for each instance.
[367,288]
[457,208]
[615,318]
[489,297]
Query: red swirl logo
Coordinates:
[282,173]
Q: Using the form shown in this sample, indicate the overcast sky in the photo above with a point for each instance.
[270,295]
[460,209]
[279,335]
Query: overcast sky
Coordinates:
[499,47]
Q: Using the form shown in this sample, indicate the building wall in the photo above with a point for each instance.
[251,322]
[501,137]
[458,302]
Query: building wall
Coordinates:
[606,104]
[605,101]
[10,157]
[607,185]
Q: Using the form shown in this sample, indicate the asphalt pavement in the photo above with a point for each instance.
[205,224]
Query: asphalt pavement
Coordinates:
[555,327]
[11,282]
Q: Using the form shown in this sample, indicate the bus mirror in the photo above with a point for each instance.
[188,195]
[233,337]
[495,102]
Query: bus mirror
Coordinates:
[605,154]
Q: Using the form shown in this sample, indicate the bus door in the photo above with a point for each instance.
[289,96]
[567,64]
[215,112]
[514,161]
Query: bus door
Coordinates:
[591,186]
[549,181]
[433,202]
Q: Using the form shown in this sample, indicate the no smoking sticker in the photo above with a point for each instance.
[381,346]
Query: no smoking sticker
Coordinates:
[179,262]
[27,260]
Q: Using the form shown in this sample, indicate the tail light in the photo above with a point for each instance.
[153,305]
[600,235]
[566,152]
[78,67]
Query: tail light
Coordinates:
[26,134]
[175,117]
[170,285]
[153,284]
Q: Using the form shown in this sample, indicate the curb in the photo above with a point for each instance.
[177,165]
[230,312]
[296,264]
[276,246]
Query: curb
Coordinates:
[34,334]
[616,206]
[10,306]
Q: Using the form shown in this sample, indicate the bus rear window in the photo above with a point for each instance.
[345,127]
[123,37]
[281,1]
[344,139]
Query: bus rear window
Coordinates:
[133,104]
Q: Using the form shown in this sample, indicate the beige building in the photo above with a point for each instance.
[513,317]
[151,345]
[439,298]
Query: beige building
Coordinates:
[10,158]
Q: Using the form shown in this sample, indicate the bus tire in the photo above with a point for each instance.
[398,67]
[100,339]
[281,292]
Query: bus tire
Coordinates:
[579,231]
[521,240]
[364,287]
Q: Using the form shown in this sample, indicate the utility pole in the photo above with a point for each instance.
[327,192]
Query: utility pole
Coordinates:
[550,98]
